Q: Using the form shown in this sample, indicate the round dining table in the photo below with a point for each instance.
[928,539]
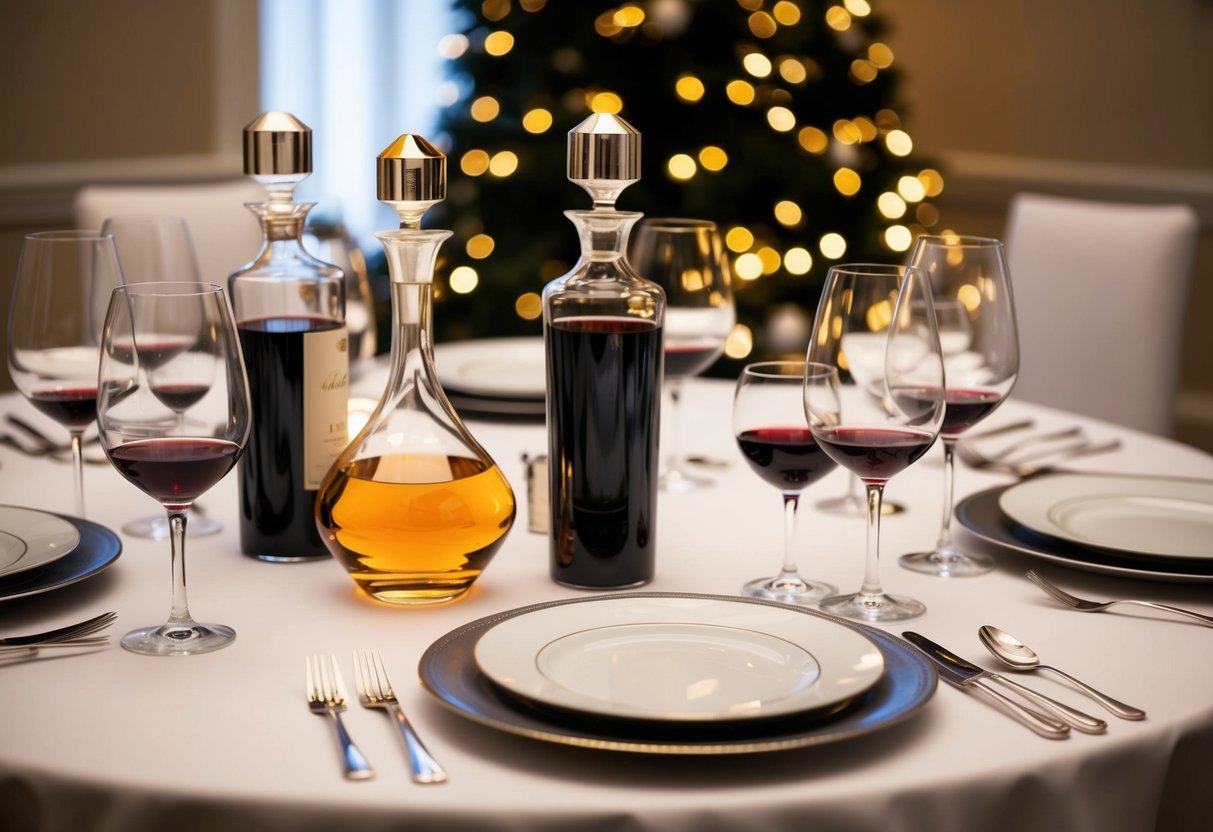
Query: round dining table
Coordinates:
[104,739]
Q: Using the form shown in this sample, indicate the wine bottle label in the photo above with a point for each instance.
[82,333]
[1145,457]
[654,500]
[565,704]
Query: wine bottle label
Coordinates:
[326,366]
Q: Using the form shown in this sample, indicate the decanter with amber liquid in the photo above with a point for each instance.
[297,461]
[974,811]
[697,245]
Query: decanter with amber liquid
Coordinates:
[414,508]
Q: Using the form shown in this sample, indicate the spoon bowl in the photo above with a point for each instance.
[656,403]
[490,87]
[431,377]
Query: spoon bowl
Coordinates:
[1018,656]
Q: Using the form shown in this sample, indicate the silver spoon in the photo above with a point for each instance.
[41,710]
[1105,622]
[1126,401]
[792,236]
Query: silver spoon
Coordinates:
[1018,656]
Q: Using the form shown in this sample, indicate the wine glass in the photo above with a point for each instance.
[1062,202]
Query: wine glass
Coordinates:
[971,286]
[770,427]
[172,454]
[875,424]
[152,248]
[685,257]
[64,281]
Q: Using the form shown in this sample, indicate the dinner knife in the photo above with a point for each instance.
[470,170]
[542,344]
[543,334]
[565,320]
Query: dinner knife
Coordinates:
[961,674]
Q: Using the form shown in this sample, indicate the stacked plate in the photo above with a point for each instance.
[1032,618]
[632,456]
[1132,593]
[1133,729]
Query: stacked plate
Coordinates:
[41,551]
[1160,528]
[665,673]
[496,376]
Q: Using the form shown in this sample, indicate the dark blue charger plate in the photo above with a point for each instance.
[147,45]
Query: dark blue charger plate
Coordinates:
[98,548]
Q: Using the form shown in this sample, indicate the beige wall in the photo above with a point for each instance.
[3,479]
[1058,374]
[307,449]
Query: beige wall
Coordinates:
[1099,98]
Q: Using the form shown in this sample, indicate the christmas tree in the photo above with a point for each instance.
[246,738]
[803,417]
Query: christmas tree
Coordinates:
[777,120]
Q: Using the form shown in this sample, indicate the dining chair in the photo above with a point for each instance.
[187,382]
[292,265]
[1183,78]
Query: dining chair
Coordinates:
[1100,289]
[226,235]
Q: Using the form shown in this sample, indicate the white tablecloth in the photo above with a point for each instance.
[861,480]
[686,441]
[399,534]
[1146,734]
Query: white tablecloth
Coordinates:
[116,741]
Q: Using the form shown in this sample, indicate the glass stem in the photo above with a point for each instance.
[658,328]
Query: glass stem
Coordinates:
[78,470]
[871,569]
[788,574]
[949,469]
[674,385]
[181,612]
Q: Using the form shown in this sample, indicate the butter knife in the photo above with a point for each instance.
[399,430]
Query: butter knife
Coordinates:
[961,674]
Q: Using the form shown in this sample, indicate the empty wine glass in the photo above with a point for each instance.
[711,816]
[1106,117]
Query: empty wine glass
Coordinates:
[175,453]
[875,424]
[971,286]
[151,248]
[685,257]
[64,281]
[770,427]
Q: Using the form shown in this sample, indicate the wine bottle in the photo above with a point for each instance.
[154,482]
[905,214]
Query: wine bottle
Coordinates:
[290,313]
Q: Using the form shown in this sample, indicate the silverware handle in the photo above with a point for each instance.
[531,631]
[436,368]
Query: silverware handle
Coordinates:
[425,769]
[356,765]
[1115,706]
[1041,724]
[1204,619]
[1071,716]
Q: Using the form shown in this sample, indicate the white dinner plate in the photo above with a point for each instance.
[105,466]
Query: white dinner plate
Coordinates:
[510,368]
[679,659]
[1152,516]
[43,538]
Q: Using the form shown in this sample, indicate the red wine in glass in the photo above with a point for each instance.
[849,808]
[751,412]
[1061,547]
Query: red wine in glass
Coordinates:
[786,457]
[180,397]
[76,407]
[965,407]
[875,454]
[175,470]
[690,359]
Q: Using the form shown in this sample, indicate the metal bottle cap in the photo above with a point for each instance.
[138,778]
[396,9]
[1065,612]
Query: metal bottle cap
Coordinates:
[411,177]
[277,144]
[604,157]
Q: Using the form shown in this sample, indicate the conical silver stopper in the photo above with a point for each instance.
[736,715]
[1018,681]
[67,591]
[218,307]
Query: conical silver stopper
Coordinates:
[277,144]
[604,157]
[411,177]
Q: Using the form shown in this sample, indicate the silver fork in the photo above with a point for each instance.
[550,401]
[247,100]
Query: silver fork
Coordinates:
[326,695]
[71,631]
[1099,606]
[31,650]
[977,459]
[375,691]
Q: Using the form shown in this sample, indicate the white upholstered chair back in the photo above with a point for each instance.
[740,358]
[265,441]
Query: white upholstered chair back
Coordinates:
[1100,289]
[226,235]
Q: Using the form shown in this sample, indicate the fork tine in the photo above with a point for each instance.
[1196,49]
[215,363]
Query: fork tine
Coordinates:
[1056,592]
[339,694]
[382,683]
[360,678]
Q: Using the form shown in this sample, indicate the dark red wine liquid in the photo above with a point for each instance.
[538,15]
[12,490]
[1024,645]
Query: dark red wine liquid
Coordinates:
[179,397]
[786,457]
[875,454]
[175,470]
[689,359]
[276,509]
[75,408]
[603,409]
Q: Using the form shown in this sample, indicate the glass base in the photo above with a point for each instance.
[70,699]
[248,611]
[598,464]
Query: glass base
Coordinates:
[677,481]
[947,563]
[789,590]
[854,506]
[178,639]
[873,609]
[156,528]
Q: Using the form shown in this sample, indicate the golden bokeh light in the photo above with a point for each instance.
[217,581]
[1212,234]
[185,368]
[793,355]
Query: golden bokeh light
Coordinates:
[898,237]
[532,5]
[792,70]
[846,131]
[681,167]
[970,296]
[463,279]
[529,306]
[739,239]
[881,55]
[757,64]
[762,25]
[813,140]
[474,162]
[786,13]
[606,102]
[713,158]
[452,46]
[606,26]
[859,8]
[740,92]
[480,246]
[891,205]
[864,72]
[629,17]
[932,181]
[788,212]
[740,342]
[495,9]
[781,119]
[537,120]
[770,259]
[838,18]
[797,260]
[748,266]
[689,88]
[847,181]
[879,316]
[504,163]
[899,142]
[498,43]
[485,108]
[750,5]
[911,189]
[887,119]
[926,214]
[866,127]
[832,245]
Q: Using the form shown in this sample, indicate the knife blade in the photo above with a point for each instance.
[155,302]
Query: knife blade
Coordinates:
[961,674]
